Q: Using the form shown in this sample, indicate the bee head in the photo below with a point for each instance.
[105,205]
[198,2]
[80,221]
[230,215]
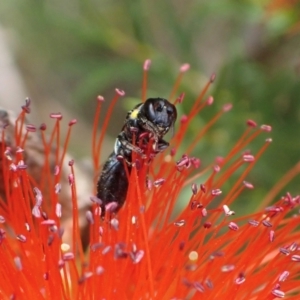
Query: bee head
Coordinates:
[161,113]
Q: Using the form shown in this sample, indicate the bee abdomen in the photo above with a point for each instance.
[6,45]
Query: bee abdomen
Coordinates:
[113,183]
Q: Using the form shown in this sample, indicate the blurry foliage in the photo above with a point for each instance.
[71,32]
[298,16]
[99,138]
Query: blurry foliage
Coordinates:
[74,50]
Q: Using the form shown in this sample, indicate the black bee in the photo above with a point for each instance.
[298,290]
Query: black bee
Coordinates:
[146,121]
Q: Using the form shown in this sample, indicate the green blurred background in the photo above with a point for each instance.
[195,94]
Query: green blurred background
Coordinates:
[70,51]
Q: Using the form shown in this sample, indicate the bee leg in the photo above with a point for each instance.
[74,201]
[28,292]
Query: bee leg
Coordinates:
[160,146]
[124,148]
[149,126]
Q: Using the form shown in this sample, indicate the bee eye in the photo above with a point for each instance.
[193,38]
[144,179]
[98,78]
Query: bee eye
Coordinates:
[170,110]
[151,111]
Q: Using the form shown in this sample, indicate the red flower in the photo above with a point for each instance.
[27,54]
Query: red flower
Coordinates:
[144,252]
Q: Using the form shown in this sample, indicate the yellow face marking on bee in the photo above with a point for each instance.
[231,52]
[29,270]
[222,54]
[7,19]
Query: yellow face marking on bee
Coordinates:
[134,114]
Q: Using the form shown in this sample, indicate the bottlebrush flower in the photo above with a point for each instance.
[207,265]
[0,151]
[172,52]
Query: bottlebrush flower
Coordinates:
[207,251]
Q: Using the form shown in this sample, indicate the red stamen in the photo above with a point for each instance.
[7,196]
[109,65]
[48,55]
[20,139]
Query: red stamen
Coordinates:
[95,155]
[118,94]
[146,68]
[184,68]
